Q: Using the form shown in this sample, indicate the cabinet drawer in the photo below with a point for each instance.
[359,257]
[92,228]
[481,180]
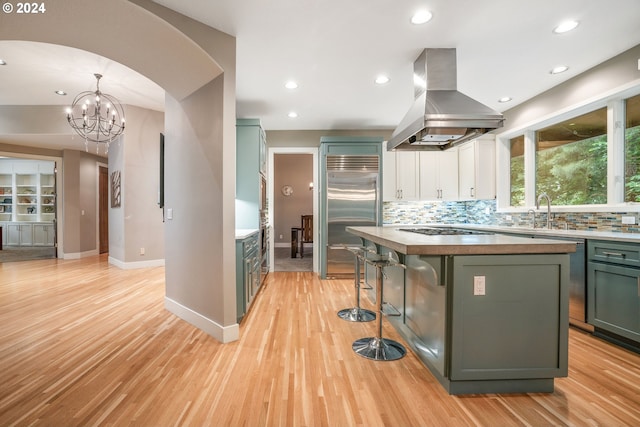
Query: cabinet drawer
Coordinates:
[614,253]
[250,245]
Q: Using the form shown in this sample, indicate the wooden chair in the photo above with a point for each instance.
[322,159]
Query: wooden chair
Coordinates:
[307,232]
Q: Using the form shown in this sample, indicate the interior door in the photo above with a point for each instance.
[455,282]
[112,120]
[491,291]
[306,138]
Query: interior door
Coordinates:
[103,208]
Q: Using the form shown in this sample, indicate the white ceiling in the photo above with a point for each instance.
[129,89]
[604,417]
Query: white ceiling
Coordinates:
[334,49]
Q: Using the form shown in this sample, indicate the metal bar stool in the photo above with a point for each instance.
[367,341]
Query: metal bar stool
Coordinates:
[357,314]
[379,348]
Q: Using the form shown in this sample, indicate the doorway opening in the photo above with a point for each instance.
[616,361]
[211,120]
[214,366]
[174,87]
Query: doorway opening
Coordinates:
[293,216]
[28,209]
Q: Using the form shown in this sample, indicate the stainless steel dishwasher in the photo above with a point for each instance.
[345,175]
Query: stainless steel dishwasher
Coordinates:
[577,282]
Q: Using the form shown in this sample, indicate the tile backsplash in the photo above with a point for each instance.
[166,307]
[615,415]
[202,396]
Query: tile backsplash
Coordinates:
[484,212]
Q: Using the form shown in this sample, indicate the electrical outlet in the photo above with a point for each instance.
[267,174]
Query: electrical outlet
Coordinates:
[508,217]
[628,219]
[141,251]
[169,213]
[281,237]
[479,285]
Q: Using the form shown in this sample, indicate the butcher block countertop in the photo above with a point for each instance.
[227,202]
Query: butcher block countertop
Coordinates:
[409,243]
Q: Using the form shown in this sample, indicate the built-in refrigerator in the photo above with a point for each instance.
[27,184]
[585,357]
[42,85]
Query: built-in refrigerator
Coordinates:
[351,197]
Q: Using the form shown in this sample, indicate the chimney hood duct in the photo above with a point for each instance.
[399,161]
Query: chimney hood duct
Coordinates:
[441,117]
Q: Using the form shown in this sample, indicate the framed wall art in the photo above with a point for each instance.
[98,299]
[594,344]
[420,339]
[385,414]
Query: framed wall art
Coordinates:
[115,189]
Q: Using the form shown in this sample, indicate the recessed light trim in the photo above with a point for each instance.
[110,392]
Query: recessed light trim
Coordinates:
[559,69]
[421,17]
[292,115]
[505,99]
[291,85]
[382,79]
[566,26]
[61,92]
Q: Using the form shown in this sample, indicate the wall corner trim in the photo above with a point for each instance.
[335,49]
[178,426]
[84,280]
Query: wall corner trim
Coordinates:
[224,334]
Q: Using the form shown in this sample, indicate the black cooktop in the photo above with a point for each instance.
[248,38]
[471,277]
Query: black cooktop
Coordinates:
[444,231]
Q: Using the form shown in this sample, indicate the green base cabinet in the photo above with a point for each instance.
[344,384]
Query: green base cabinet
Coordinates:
[247,273]
[614,291]
[510,337]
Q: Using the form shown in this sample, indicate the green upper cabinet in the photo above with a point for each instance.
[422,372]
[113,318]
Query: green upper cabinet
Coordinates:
[251,167]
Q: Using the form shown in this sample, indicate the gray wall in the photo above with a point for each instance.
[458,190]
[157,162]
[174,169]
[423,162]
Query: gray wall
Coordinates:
[311,138]
[79,193]
[200,142]
[610,75]
[137,223]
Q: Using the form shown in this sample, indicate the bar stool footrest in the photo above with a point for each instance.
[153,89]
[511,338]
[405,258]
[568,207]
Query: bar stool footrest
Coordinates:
[390,310]
[375,348]
[356,314]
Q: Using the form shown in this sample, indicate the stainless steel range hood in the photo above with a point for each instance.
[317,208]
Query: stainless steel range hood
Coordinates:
[441,117]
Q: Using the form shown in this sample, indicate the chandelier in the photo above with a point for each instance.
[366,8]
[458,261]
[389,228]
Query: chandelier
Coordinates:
[96,117]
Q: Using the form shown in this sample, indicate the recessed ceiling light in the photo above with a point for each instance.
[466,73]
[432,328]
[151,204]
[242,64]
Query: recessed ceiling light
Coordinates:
[61,92]
[3,62]
[291,85]
[421,17]
[292,115]
[559,69]
[381,79]
[505,99]
[565,27]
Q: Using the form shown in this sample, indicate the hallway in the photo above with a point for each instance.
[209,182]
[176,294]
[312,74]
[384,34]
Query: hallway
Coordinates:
[284,262]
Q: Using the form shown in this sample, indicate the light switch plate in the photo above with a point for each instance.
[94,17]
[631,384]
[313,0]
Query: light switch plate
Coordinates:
[479,285]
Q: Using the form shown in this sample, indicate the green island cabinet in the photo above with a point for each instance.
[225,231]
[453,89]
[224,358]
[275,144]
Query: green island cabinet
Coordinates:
[512,339]
[613,291]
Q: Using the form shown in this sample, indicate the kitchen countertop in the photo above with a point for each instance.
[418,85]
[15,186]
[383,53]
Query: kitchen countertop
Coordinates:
[243,233]
[469,244]
[580,234]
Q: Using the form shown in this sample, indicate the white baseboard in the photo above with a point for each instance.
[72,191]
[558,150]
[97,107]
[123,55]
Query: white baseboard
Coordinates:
[78,255]
[288,245]
[137,264]
[224,334]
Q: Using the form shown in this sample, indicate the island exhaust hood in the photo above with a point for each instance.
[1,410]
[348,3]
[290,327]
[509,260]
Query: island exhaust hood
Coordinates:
[441,117]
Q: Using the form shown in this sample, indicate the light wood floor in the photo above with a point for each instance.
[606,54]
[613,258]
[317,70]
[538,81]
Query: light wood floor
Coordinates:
[84,343]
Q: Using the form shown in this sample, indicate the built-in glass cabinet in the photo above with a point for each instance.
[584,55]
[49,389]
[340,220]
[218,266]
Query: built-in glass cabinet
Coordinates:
[27,202]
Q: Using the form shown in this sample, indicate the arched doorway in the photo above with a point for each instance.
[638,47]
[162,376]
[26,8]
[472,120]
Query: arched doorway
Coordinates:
[200,134]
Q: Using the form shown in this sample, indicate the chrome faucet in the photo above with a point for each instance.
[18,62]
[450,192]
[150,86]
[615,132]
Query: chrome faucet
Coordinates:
[533,219]
[545,196]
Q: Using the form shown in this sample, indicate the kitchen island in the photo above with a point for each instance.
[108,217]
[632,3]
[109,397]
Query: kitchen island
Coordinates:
[486,313]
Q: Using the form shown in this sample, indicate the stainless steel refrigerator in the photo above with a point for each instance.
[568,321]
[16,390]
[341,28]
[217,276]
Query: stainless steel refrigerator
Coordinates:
[352,198]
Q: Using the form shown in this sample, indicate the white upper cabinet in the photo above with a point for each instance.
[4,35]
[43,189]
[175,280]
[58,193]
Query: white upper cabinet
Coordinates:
[439,175]
[400,175]
[477,166]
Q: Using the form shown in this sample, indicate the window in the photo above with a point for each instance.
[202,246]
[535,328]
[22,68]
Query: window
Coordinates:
[588,157]
[632,150]
[517,171]
[571,160]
